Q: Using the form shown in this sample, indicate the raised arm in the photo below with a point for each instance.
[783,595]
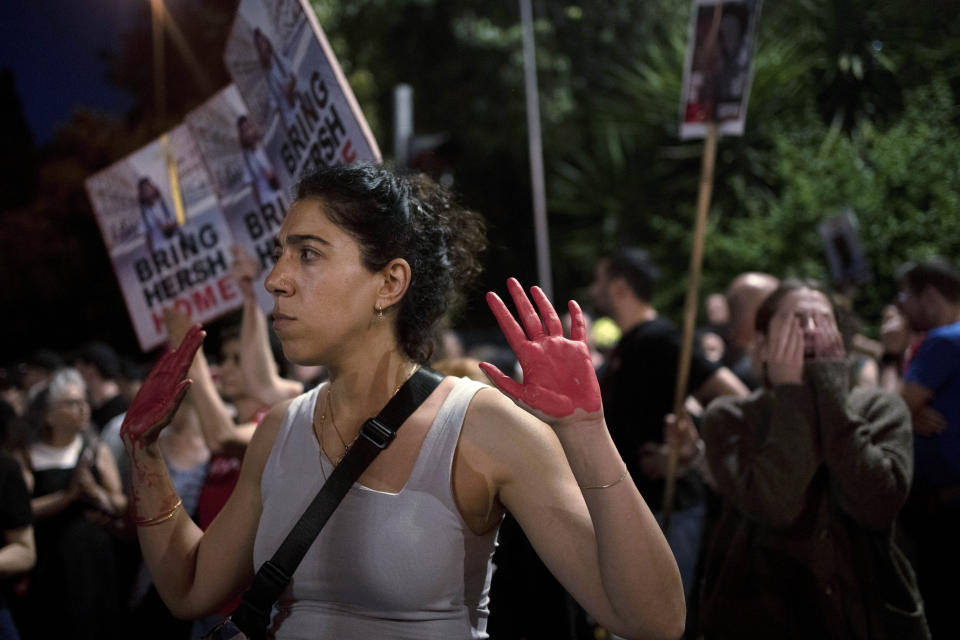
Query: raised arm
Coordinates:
[569,489]
[195,572]
[219,431]
[256,358]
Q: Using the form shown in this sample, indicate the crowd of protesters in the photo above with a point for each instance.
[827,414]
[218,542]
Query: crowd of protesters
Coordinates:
[817,476]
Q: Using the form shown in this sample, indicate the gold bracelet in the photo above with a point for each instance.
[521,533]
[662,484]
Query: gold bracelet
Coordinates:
[607,486]
[149,522]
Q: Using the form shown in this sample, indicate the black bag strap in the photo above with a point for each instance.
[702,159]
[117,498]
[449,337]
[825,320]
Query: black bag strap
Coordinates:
[253,614]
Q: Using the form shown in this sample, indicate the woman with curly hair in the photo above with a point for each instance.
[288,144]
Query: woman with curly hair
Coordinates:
[367,264]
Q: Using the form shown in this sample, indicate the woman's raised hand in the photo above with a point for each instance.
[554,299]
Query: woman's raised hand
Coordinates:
[558,374]
[161,393]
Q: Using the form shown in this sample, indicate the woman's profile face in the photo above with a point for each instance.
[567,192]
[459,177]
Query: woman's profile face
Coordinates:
[70,412]
[324,297]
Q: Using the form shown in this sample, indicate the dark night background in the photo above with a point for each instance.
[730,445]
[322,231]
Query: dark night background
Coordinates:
[853,106]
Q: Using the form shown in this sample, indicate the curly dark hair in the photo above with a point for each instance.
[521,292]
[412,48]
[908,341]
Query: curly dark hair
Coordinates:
[410,217]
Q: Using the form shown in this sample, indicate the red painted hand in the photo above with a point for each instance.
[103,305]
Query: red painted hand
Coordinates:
[558,375]
[161,393]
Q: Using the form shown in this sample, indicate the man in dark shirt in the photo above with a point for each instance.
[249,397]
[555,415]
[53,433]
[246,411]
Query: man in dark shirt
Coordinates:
[638,383]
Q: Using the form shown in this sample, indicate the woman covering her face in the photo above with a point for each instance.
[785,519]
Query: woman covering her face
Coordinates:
[367,264]
[813,475]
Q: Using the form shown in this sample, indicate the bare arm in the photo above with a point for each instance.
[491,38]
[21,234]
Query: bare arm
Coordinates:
[723,382]
[256,358]
[219,431]
[568,488]
[51,504]
[194,571]
[19,552]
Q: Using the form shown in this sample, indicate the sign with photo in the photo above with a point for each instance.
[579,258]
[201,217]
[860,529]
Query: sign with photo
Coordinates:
[166,235]
[287,74]
[718,71]
[171,212]
[246,179]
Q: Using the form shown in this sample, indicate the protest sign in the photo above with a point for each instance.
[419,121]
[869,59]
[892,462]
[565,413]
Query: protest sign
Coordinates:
[718,70]
[170,212]
[716,84]
[166,236]
[245,178]
[289,78]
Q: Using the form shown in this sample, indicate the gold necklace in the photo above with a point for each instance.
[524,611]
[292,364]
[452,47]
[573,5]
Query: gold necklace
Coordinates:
[323,421]
[333,420]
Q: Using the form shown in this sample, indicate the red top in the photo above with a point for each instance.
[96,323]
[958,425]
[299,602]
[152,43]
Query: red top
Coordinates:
[221,479]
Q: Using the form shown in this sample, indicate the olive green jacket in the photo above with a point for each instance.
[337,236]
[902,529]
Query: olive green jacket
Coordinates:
[812,478]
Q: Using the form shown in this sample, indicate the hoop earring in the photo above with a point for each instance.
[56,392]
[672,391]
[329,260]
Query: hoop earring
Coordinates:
[379,312]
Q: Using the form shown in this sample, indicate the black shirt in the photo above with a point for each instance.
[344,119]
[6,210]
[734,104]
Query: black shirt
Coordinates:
[108,410]
[638,384]
[14,504]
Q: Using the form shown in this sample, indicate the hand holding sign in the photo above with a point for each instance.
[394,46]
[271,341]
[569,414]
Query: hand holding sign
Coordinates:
[161,393]
[558,375]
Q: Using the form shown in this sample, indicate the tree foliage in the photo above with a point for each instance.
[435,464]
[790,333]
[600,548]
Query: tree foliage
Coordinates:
[852,106]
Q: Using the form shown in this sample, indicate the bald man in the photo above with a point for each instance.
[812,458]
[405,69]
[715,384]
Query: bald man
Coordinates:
[744,296]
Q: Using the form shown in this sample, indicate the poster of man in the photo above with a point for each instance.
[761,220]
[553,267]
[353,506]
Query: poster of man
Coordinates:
[302,112]
[159,261]
[718,69]
[251,197]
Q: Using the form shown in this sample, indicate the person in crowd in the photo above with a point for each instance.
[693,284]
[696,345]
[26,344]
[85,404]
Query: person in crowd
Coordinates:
[256,362]
[930,303]
[11,394]
[76,498]
[187,457]
[717,310]
[99,365]
[36,369]
[899,342]
[18,551]
[813,475]
[638,384]
[711,344]
[366,264]
[744,295]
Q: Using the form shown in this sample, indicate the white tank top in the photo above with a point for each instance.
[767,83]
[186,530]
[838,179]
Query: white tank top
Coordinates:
[386,565]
